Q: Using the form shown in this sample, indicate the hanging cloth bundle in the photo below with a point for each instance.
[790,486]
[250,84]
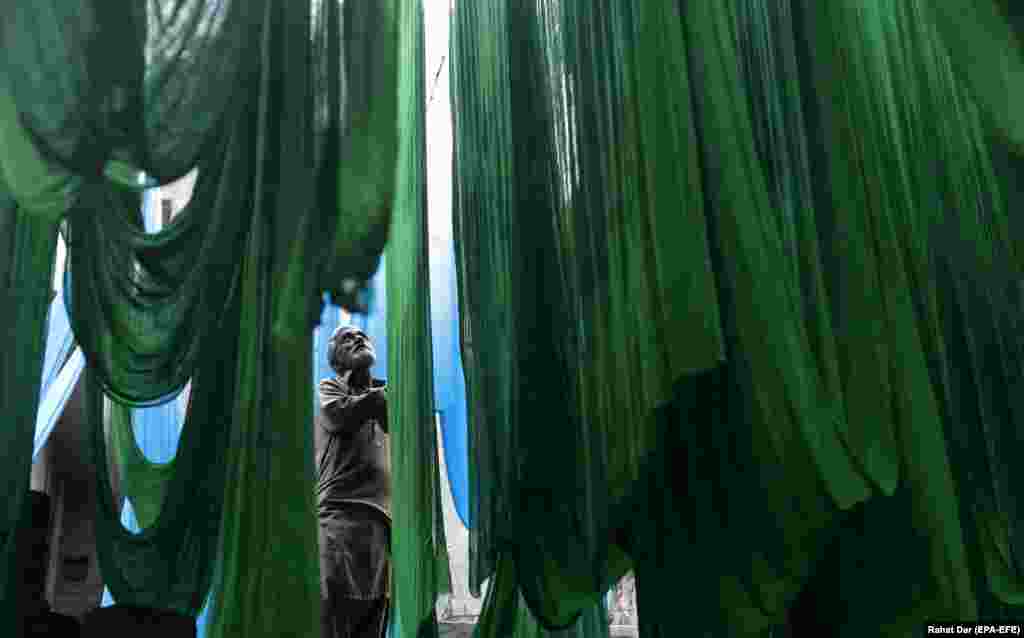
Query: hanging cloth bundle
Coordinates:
[295,149]
[748,264]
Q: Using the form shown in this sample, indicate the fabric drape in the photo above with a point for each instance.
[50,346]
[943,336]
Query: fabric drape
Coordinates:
[62,367]
[31,202]
[54,399]
[750,265]
[146,446]
[420,559]
[295,146]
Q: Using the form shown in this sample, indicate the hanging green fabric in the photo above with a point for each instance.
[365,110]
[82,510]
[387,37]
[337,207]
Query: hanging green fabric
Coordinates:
[984,319]
[143,482]
[146,325]
[32,201]
[355,101]
[419,550]
[955,240]
[147,83]
[269,509]
[856,252]
[505,613]
[272,142]
[169,564]
[583,259]
[29,245]
[988,57]
[480,202]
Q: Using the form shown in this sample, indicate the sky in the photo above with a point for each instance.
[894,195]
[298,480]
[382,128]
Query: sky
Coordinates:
[439,121]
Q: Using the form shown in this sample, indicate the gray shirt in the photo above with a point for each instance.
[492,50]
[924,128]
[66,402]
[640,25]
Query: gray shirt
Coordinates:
[352,452]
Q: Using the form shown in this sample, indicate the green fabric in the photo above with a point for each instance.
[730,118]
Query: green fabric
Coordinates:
[528,278]
[419,550]
[143,482]
[723,267]
[577,253]
[861,114]
[250,94]
[505,613]
[31,203]
[37,188]
[28,245]
[340,245]
[169,564]
[988,57]
[832,205]
[148,83]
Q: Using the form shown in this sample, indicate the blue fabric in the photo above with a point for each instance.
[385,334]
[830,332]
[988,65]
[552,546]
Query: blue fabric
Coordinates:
[394,627]
[59,342]
[449,382]
[54,399]
[60,374]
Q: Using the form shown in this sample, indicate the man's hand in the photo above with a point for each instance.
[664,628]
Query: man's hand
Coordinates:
[378,396]
[349,411]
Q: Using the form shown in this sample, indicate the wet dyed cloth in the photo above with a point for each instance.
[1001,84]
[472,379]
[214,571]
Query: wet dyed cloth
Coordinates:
[296,147]
[741,265]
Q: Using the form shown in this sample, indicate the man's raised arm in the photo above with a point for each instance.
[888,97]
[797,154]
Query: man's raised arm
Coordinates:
[346,411]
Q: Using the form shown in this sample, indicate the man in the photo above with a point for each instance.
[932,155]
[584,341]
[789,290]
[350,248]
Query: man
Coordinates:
[353,492]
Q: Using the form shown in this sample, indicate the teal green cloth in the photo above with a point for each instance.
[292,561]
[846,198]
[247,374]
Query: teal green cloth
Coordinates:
[288,111]
[419,550]
[31,203]
[728,272]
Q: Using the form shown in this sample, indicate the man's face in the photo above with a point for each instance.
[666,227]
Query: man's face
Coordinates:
[353,350]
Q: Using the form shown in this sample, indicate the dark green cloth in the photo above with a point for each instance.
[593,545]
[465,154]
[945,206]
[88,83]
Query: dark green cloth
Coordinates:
[729,271]
[288,112]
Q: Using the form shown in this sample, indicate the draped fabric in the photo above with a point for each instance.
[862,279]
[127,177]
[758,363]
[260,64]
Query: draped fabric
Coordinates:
[737,281]
[288,112]
[54,399]
[146,445]
[738,299]
[566,336]
[59,342]
[419,550]
[985,37]
[30,203]
[62,367]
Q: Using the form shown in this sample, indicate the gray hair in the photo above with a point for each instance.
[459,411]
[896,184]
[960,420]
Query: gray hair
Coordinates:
[332,347]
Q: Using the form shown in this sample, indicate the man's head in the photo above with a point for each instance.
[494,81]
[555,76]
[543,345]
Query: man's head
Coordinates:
[350,349]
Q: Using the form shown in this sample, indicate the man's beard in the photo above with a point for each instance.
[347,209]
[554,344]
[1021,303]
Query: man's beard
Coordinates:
[362,358]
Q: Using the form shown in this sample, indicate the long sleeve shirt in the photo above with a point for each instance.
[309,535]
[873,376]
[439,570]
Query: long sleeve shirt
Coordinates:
[352,453]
